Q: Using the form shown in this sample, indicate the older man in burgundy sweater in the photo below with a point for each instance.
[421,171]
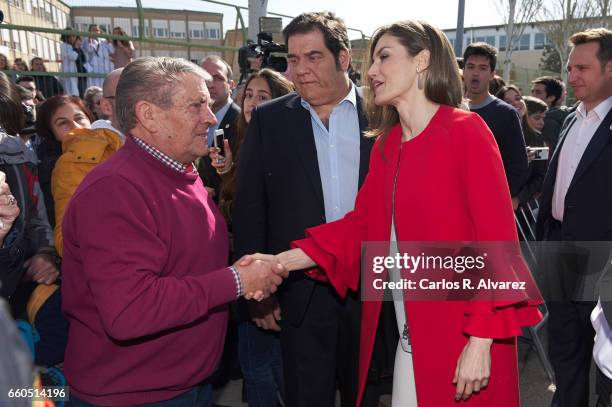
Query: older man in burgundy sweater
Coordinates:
[146,286]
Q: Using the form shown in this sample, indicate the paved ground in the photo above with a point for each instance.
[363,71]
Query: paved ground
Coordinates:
[536,390]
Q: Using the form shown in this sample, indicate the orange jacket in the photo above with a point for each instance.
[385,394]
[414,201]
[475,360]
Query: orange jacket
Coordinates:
[83,149]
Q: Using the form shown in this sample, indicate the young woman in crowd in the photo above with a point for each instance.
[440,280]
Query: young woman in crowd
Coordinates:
[532,123]
[72,149]
[4,63]
[124,50]
[259,349]
[435,175]
[57,116]
[512,95]
[20,65]
[69,57]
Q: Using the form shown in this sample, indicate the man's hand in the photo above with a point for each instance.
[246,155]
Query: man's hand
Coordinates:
[266,313]
[473,367]
[260,275]
[41,268]
[9,210]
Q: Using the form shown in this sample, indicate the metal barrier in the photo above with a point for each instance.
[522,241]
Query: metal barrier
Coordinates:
[525,218]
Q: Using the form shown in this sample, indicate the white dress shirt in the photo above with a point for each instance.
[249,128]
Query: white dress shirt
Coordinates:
[602,350]
[573,148]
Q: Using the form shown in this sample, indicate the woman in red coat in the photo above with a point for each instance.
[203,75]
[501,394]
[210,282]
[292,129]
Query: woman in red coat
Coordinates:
[435,175]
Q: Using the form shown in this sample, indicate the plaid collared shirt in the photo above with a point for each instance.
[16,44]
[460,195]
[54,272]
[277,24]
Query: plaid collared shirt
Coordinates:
[170,162]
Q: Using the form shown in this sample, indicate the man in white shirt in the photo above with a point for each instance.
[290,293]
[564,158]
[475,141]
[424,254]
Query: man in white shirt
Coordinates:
[576,206]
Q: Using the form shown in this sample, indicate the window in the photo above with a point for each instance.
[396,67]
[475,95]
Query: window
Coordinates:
[63,22]
[23,40]
[177,29]
[54,14]
[490,39]
[48,16]
[198,55]
[124,23]
[525,41]
[135,31]
[16,3]
[81,23]
[16,42]
[58,49]
[6,37]
[32,42]
[46,44]
[28,6]
[502,42]
[104,23]
[539,41]
[52,53]
[213,30]
[39,45]
[160,28]
[196,29]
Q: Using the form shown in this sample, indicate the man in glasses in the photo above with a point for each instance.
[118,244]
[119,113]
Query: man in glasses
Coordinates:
[107,104]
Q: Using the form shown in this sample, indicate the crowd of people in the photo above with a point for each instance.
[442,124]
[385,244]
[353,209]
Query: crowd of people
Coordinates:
[78,55]
[144,213]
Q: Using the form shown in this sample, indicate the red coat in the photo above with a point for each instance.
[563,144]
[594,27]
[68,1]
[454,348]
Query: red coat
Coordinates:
[451,186]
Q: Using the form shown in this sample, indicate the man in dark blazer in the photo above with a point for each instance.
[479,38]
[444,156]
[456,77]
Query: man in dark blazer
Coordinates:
[226,112]
[576,216]
[301,164]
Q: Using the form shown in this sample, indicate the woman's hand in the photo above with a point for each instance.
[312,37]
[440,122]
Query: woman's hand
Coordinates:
[473,367]
[221,163]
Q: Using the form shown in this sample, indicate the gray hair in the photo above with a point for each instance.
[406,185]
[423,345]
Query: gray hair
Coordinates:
[152,79]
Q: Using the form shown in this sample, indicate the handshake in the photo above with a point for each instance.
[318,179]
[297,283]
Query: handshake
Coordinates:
[260,275]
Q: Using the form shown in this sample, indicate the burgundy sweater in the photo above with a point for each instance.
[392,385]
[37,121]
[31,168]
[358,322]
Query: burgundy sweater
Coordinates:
[145,283]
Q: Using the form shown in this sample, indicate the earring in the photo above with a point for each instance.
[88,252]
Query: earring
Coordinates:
[420,79]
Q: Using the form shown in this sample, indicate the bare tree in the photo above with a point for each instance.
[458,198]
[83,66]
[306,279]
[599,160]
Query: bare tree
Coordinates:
[602,10]
[562,18]
[516,14]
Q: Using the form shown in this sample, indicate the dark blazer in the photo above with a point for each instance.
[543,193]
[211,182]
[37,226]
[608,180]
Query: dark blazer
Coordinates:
[207,172]
[605,291]
[279,193]
[588,202]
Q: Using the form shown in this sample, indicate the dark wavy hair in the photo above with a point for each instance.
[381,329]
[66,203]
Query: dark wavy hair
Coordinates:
[279,86]
[47,110]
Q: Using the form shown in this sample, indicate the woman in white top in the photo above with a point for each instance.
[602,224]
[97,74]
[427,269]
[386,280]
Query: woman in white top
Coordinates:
[98,52]
[69,57]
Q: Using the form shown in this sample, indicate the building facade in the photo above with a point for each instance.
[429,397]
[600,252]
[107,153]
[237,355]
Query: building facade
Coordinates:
[25,44]
[185,26]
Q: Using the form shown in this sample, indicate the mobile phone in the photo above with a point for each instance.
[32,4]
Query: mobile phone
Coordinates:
[540,153]
[219,141]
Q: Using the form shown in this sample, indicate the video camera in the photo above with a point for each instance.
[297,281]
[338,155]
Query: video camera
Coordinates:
[264,49]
